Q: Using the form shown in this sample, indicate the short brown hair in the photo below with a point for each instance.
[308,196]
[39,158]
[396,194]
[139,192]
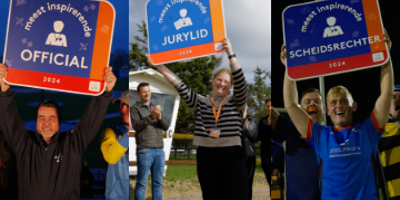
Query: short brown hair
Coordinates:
[309,90]
[267,100]
[144,84]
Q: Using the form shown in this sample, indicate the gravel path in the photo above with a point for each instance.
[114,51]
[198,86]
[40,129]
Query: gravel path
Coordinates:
[190,189]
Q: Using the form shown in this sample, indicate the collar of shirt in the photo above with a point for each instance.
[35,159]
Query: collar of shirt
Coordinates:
[149,107]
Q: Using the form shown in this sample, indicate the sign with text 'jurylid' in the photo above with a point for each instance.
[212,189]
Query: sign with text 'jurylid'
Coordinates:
[182,29]
[61,45]
[330,37]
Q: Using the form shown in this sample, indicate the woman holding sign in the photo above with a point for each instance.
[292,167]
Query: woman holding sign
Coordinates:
[220,160]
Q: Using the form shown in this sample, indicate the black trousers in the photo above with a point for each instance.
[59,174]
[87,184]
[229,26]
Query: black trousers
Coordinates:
[266,166]
[222,173]
[251,168]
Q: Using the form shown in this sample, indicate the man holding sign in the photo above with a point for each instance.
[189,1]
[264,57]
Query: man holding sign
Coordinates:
[49,162]
[347,151]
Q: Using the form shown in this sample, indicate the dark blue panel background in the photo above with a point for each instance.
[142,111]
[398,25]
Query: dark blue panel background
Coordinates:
[294,18]
[157,33]
[42,27]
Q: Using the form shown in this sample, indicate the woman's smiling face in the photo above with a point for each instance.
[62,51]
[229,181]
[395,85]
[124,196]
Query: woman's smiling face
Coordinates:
[221,84]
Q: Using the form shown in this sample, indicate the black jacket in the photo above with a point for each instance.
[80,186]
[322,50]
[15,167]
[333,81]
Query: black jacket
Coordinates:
[250,136]
[48,172]
[264,135]
[8,171]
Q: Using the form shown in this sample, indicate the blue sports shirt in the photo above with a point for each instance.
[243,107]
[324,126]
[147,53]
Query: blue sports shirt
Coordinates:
[347,156]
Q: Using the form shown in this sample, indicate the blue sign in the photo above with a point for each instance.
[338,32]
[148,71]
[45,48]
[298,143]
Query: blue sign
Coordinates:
[181,29]
[331,37]
[59,39]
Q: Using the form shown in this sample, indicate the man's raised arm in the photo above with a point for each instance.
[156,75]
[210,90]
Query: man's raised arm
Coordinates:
[12,125]
[299,117]
[382,105]
[93,117]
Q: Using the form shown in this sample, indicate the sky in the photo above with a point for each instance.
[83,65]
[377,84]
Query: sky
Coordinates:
[248,27]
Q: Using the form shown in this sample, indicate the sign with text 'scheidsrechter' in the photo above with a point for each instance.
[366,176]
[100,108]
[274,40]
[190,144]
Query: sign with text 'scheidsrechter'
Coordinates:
[182,29]
[61,45]
[330,37]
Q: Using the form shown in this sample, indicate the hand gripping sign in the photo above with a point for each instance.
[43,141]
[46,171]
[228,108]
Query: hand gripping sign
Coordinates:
[330,37]
[61,45]
[182,29]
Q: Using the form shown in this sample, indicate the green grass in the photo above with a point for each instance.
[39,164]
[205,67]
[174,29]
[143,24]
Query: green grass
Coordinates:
[181,157]
[180,172]
[177,172]
[184,172]
[259,169]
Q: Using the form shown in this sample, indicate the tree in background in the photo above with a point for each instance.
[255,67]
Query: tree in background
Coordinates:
[196,73]
[138,51]
[258,92]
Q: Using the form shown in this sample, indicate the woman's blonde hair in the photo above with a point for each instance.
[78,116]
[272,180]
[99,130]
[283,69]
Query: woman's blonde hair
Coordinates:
[225,70]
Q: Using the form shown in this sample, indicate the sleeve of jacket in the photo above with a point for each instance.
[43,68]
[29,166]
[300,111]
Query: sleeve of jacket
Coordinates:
[163,123]
[7,156]
[264,131]
[139,123]
[11,124]
[111,147]
[252,131]
[89,125]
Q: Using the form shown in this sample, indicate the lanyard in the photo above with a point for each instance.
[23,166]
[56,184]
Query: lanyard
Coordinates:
[219,109]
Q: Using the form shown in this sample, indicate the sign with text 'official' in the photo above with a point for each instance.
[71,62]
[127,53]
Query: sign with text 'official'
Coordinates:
[182,29]
[61,45]
[330,37]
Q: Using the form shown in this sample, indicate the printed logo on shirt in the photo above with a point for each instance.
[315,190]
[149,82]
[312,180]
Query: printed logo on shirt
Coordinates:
[58,158]
[345,151]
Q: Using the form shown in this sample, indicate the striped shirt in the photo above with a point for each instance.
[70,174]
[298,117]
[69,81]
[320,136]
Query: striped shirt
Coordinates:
[230,119]
[389,148]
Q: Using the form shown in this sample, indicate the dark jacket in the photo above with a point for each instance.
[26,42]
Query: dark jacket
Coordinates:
[264,135]
[50,171]
[87,180]
[148,129]
[250,136]
[8,171]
